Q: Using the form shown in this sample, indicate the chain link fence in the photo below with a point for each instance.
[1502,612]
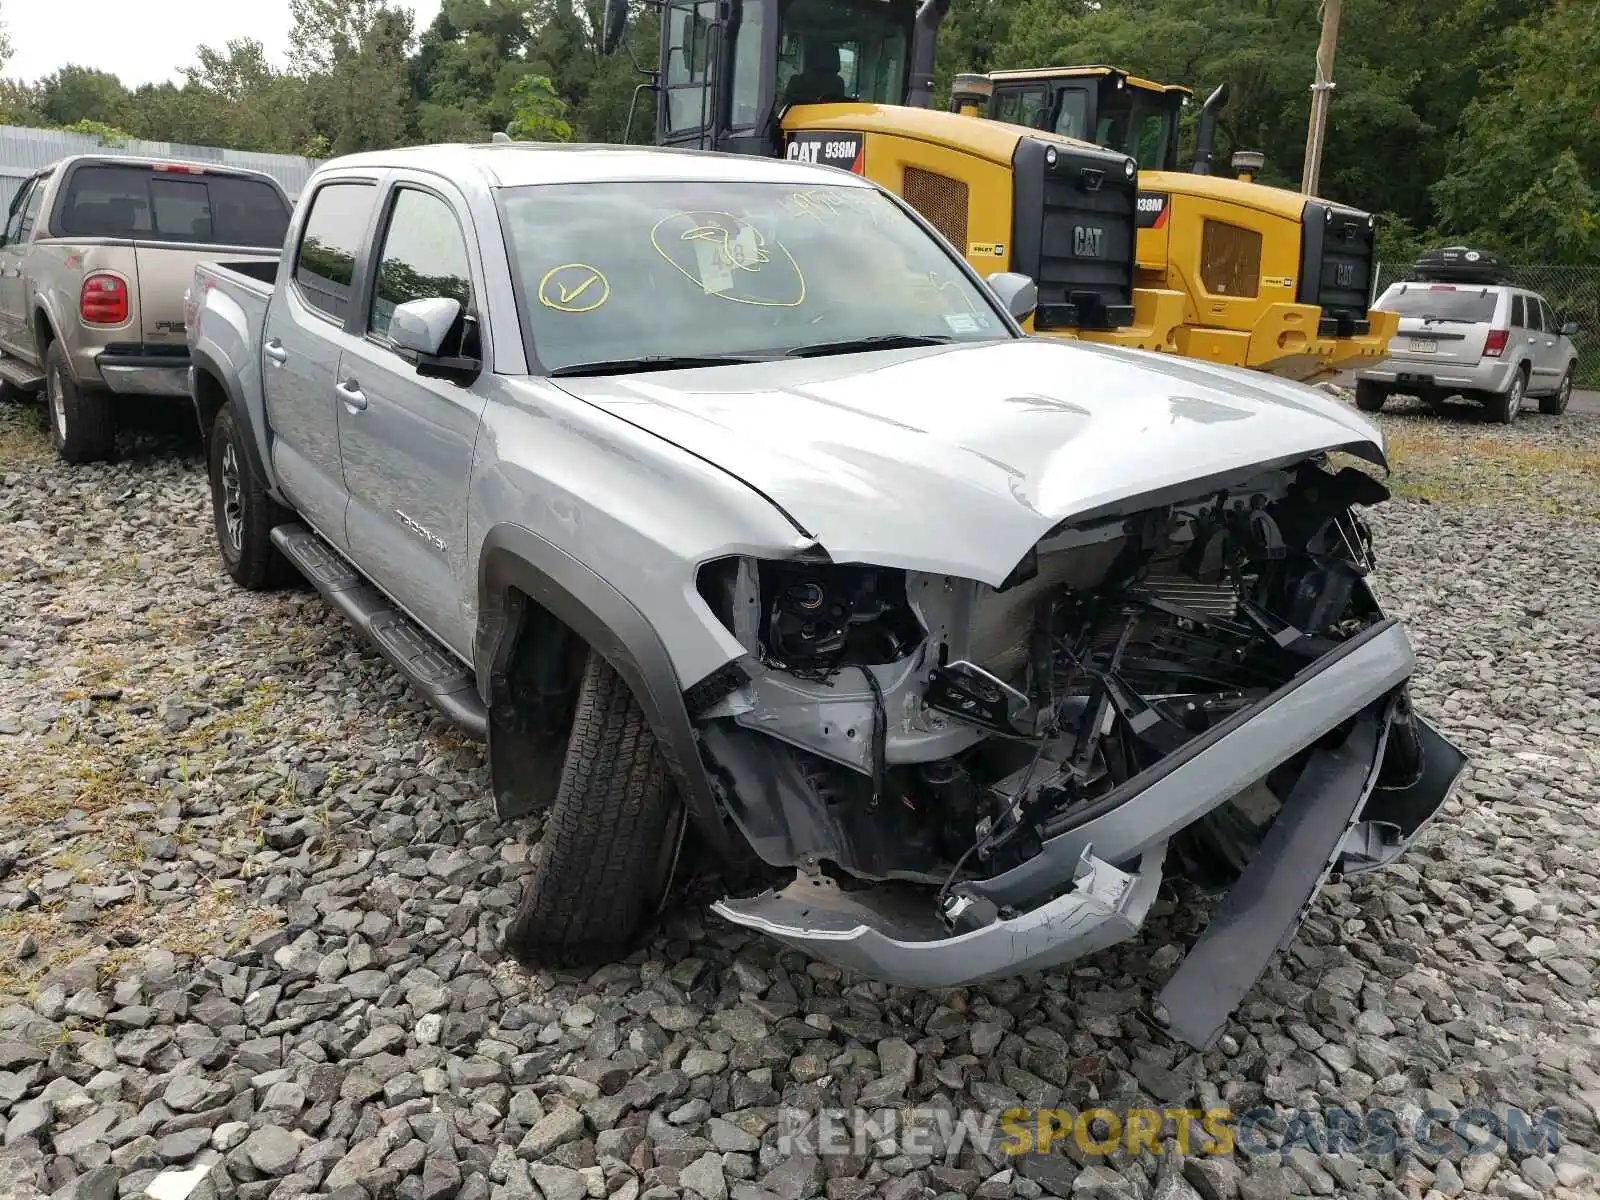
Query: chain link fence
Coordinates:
[1574,293]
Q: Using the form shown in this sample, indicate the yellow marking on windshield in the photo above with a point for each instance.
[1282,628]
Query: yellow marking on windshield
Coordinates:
[574,288]
[721,244]
[819,203]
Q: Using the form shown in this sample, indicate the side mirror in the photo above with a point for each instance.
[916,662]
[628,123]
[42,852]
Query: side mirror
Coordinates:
[1018,293]
[421,326]
[1570,329]
[614,26]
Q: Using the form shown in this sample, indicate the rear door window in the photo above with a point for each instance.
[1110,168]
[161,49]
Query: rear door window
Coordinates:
[325,260]
[19,205]
[172,206]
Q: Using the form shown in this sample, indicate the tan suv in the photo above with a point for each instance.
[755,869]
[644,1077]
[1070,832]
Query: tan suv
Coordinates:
[95,257]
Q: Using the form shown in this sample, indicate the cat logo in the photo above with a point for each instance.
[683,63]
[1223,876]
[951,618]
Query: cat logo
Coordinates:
[842,150]
[1088,241]
[1344,274]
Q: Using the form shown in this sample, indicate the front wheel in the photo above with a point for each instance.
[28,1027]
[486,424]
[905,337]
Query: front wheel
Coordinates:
[243,515]
[610,839]
[1370,396]
[1504,406]
[1555,404]
[82,426]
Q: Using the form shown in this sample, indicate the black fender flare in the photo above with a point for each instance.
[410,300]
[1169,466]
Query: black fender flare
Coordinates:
[514,557]
[201,362]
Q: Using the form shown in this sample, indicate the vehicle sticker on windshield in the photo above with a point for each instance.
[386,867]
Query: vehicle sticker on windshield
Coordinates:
[964,322]
[574,288]
[728,257]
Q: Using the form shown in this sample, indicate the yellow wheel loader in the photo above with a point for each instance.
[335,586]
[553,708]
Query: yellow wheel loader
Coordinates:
[848,83]
[1271,279]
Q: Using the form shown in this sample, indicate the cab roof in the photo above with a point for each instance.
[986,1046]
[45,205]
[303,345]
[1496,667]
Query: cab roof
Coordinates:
[1088,71]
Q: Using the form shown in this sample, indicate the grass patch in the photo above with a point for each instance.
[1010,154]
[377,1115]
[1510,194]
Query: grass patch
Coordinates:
[1491,468]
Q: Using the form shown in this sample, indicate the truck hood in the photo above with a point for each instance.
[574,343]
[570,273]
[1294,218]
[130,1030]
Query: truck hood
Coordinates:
[957,459]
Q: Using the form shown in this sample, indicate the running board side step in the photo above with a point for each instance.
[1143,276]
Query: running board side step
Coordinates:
[20,375]
[436,673]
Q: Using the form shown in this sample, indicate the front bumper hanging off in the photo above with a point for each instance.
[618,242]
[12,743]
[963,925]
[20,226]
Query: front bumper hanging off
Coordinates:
[1091,885]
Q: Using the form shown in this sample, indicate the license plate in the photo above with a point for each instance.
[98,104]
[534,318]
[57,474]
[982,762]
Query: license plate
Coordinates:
[1424,346]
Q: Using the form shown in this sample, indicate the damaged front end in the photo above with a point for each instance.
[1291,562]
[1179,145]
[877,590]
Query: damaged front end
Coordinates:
[968,782]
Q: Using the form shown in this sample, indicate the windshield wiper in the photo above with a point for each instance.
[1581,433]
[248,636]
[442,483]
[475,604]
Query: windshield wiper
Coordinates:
[881,341]
[655,362]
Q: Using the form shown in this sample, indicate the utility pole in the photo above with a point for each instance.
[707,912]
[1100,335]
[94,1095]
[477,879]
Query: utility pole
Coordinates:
[1321,94]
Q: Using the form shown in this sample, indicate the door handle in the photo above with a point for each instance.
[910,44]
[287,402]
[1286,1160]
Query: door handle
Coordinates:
[350,392]
[275,351]
[10,272]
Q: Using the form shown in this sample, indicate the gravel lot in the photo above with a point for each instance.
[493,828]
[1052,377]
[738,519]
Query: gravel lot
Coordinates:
[249,890]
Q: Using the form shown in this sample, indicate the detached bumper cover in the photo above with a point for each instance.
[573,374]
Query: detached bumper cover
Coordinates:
[1091,886]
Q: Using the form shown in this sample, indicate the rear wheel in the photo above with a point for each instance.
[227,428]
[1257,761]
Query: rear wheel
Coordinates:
[1555,404]
[82,427]
[1504,406]
[243,514]
[611,838]
[1370,395]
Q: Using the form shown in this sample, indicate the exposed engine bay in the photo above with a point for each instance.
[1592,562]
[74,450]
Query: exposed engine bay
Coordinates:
[919,749]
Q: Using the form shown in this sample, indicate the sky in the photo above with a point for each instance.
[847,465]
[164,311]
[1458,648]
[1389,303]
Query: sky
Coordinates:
[144,41]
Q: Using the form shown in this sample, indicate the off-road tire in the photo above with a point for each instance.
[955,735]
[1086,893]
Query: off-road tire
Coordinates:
[1555,403]
[248,554]
[82,424]
[1504,406]
[598,874]
[1370,396]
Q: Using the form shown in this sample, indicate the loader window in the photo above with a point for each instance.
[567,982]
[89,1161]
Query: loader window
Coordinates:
[1136,123]
[1019,107]
[1072,117]
[691,42]
[839,50]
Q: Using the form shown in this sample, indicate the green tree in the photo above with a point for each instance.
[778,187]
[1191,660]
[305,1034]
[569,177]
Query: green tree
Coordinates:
[540,114]
[1525,168]
[81,94]
[353,57]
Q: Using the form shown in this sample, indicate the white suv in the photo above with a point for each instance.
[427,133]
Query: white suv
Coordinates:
[1495,343]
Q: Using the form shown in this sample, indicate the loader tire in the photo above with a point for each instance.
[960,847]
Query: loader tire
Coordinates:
[610,839]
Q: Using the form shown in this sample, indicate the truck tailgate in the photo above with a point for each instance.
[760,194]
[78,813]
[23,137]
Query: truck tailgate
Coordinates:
[162,273]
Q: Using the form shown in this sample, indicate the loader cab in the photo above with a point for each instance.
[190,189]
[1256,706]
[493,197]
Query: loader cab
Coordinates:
[1096,104]
[729,68]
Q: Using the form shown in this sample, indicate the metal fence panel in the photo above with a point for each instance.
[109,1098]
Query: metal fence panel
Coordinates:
[1574,293]
[24,150]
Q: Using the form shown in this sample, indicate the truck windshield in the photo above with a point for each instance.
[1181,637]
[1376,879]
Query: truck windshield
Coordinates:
[837,50]
[680,269]
[1440,304]
[171,206]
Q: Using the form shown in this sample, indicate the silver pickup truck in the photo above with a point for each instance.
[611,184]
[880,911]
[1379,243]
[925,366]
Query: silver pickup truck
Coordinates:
[95,255]
[723,498]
